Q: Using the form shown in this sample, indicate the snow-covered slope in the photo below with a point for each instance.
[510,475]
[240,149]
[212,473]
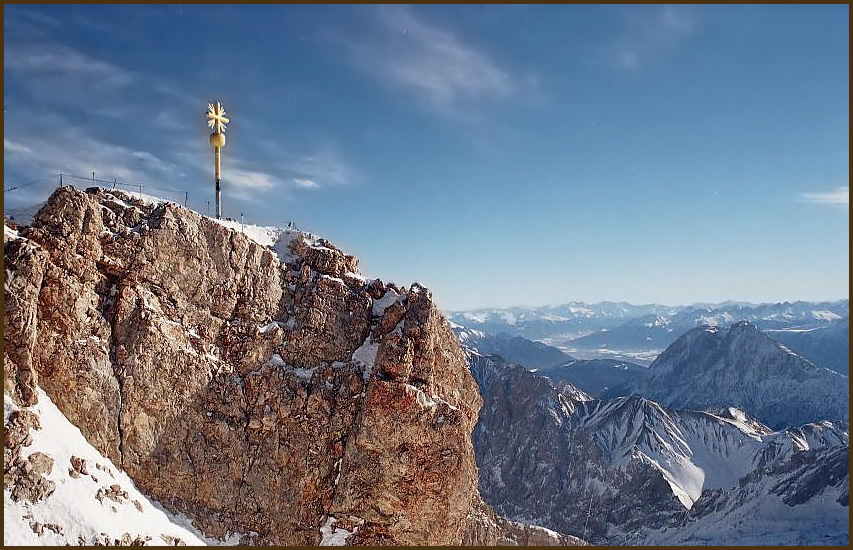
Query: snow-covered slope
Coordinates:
[98,507]
[629,470]
[693,451]
[801,500]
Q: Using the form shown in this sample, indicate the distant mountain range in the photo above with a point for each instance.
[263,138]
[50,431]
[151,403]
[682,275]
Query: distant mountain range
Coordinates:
[631,471]
[707,366]
[513,348]
[566,321]
[623,326]
[637,334]
[728,437]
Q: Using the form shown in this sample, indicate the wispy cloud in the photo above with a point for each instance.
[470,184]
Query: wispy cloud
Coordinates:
[63,61]
[432,63]
[649,32]
[251,179]
[323,167]
[70,110]
[839,197]
[22,21]
[13,147]
[308,166]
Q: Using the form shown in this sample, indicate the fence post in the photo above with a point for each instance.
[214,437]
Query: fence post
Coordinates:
[60,180]
[114,183]
[140,192]
[186,198]
[93,179]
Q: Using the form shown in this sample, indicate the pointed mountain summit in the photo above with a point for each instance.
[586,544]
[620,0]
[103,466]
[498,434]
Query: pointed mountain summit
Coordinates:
[740,366]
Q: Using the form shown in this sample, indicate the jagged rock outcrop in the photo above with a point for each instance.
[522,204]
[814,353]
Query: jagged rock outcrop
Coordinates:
[21,298]
[253,395]
[25,475]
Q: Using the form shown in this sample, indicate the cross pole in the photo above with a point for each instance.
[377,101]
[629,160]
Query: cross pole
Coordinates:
[217,121]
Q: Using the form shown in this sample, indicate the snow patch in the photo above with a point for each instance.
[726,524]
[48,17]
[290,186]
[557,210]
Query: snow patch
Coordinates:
[825,315]
[275,238]
[334,536]
[428,402]
[302,374]
[365,357]
[473,317]
[9,233]
[73,504]
[380,305]
[268,327]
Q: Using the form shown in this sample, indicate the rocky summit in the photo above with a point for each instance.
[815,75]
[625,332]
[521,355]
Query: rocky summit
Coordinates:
[269,391]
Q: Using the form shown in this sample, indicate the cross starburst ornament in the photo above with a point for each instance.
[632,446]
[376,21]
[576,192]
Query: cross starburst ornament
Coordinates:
[216,117]
[218,123]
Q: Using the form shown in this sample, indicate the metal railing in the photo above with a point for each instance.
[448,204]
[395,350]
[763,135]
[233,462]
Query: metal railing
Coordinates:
[174,195]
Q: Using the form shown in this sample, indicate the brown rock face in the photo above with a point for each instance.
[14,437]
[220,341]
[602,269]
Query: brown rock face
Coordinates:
[21,298]
[24,476]
[250,394]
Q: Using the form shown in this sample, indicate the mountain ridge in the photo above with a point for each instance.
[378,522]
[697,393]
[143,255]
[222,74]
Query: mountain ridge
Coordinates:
[741,366]
[631,471]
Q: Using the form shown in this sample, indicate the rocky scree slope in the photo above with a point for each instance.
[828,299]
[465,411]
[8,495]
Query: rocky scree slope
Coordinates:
[284,400]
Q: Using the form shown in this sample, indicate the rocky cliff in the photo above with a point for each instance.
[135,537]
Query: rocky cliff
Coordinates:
[267,391]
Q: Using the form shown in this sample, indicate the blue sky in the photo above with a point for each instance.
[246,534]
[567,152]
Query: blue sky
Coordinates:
[500,155]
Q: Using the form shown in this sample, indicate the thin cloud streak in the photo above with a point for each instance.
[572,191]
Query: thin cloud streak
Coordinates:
[13,147]
[251,179]
[431,63]
[63,61]
[840,196]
